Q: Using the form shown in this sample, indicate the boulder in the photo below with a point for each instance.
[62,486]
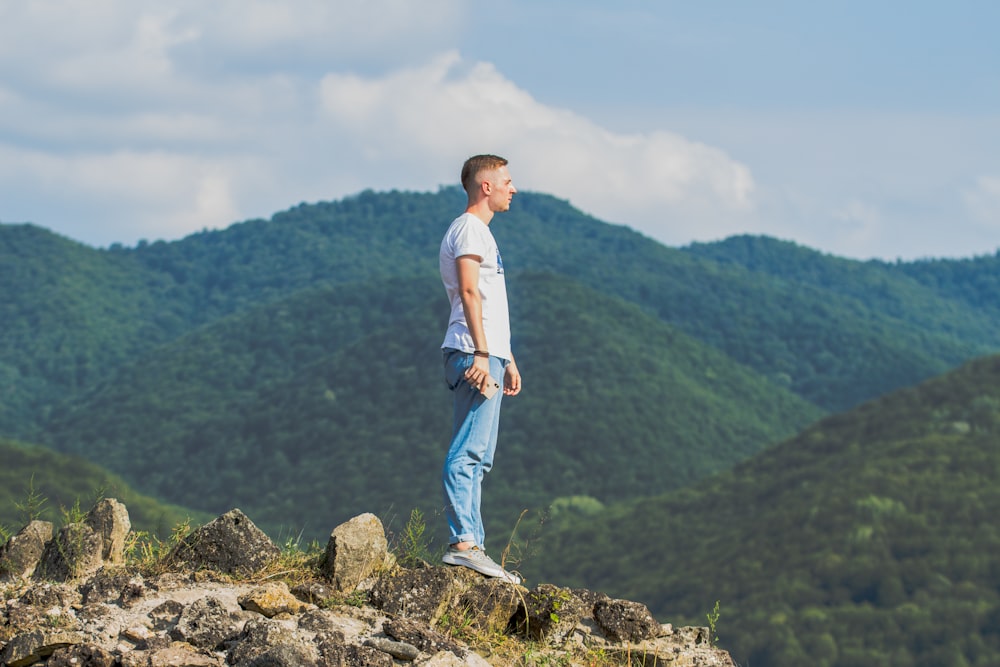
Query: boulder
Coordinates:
[422,636]
[20,554]
[30,647]
[82,655]
[626,621]
[550,613]
[425,594]
[357,549]
[489,605]
[80,549]
[257,638]
[109,519]
[231,544]
[206,624]
[271,599]
[74,553]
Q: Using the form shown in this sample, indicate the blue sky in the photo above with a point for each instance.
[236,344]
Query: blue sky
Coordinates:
[863,129]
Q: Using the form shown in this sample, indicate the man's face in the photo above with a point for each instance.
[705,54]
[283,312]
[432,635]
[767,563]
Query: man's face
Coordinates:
[501,189]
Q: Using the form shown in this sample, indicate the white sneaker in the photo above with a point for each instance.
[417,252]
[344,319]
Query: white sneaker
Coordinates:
[476,559]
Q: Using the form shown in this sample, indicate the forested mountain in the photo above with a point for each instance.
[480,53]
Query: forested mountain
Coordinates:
[330,403]
[73,313]
[869,539]
[290,367]
[37,483]
[144,358]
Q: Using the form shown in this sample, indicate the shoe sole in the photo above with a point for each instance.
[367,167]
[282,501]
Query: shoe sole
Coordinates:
[499,573]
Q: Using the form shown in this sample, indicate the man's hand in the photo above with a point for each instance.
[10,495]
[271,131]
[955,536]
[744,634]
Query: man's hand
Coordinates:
[511,380]
[478,372]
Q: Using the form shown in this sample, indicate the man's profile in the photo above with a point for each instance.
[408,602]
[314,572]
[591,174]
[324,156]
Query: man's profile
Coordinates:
[476,349]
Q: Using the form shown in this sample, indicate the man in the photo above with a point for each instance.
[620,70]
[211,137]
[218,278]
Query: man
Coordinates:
[476,353]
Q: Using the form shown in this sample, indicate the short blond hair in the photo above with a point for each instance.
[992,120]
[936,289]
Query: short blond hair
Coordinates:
[476,164]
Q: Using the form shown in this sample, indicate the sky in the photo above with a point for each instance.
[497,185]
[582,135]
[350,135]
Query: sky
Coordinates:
[864,129]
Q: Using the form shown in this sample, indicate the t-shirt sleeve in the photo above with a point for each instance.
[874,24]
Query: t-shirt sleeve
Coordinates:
[469,241]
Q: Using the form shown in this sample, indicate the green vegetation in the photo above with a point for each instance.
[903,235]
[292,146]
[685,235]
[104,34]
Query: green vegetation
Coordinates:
[869,539]
[36,483]
[289,367]
[306,412]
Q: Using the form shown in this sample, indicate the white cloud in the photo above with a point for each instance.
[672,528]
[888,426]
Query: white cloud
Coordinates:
[134,195]
[122,121]
[983,202]
[447,109]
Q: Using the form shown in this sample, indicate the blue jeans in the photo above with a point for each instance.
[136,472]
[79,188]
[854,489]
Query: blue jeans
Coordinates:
[473,443]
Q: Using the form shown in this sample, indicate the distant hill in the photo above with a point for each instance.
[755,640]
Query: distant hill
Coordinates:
[39,483]
[290,366]
[188,344]
[75,313]
[869,539]
[331,402]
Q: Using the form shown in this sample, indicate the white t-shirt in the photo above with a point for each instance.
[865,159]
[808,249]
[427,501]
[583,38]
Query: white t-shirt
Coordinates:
[468,235]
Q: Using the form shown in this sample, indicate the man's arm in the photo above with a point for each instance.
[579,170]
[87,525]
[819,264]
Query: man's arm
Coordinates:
[472,304]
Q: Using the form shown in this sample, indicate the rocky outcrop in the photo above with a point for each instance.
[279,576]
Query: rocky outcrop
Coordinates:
[216,607]
[230,544]
[20,555]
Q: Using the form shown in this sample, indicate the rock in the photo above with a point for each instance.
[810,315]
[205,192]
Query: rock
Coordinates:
[272,599]
[259,636]
[422,636]
[626,621]
[285,655]
[356,549]
[83,655]
[206,623]
[313,592]
[489,605]
[29,647]
[422,594]
[230,544]
[398,650]
[109,519]
[201,616]
[551,613]
[166,615]
[683,647]
[365,656]
[112,587]
[445,659]
[73,553]
[176,655]
[20,554]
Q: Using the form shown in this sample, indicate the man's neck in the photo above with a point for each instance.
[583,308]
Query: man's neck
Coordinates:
[481,210]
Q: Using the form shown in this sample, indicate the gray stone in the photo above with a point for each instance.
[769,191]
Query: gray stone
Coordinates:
[109,519]
[20,554]
[489,605]
[74,553]
[30,647]
[422,636]
[230,544]
[365,656]
[112,587]
[271,599]
[257,637]
[398,650]
[206,623]
[356,550]
[84,655]
[626,621]
[423,594]
[551,613]
[284,655]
